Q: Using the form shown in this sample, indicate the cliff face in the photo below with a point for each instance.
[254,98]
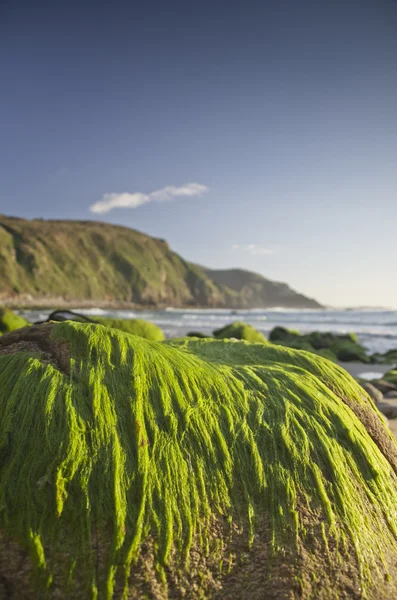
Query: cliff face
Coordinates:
[255,291]
[90,261]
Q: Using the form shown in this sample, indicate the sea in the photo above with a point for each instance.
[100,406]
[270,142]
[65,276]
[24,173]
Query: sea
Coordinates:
[375,328]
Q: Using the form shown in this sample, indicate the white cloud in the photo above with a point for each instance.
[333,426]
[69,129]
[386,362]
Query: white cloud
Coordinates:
[135,199]
[254,249]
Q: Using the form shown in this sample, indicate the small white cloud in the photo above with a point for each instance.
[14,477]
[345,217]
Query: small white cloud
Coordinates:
[125,200]
[135,199]
[254,249]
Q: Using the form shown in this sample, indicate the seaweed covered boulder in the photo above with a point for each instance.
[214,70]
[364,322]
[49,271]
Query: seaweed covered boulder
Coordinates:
[326,339]
[293,339]
[197,334]
[188,469]
[388,357]
[140,327]
[9,321]
[240,331]
[349,351]
[391,377]
[282,334]
[342,347]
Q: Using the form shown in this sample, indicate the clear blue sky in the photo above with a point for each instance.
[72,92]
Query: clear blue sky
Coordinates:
[285,110]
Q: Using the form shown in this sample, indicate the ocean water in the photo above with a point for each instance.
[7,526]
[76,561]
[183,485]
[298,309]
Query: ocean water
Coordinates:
[376,329]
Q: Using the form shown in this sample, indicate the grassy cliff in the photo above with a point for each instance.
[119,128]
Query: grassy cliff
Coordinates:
[99,262]
[256,291]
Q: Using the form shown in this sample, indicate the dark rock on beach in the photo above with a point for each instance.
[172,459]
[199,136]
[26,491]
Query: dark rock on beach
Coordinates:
[372,391]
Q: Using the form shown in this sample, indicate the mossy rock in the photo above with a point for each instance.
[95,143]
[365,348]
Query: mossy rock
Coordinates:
[387,357]
[321,340]
[140,327]
[282,334]
[333,346]
[327,353]
[197,334]
[240,331]
[9,321]
[391,377]
[349,351]
[298,343]
[188,469]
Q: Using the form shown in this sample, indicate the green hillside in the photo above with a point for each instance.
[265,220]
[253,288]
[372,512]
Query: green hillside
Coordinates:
[257,291]
[99,262]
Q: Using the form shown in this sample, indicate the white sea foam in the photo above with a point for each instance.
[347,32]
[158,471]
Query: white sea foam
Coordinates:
[376,329]
[98,312]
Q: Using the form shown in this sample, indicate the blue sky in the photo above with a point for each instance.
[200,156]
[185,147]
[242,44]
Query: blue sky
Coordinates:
[283,113]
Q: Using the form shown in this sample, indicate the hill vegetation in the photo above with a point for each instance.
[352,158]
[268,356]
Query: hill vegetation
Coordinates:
[54,262]
[256,291]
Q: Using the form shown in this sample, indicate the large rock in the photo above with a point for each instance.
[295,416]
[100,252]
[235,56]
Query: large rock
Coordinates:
[197,334]
[372,391]
[240,331]
[391,377]
[188,469]
[383,385]
[349,351]
[282,334]
[388,407]
[388,357]
[139,327]
[336,347]
[9,321]
[326,339]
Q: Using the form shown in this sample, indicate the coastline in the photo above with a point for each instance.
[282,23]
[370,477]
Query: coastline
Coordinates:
[31,303]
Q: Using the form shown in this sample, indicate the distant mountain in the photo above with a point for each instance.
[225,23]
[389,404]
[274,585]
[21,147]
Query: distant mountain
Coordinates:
[255,291]
[71,262]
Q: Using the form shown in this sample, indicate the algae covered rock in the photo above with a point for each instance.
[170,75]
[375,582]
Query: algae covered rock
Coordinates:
[282,334]
[140,327]
[188,469]
[293,339]
[240,331]
[388,357]
[349,351]
[342,347]
[391,377]
[325,339]
[9,321]
[197,334]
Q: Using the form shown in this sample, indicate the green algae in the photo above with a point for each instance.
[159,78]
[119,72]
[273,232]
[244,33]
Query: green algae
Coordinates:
[140,327]
[391,376]
[9,321]
[139,439]
[240,331]
[279,334]
[197,334]
[388,357]
[342,347]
